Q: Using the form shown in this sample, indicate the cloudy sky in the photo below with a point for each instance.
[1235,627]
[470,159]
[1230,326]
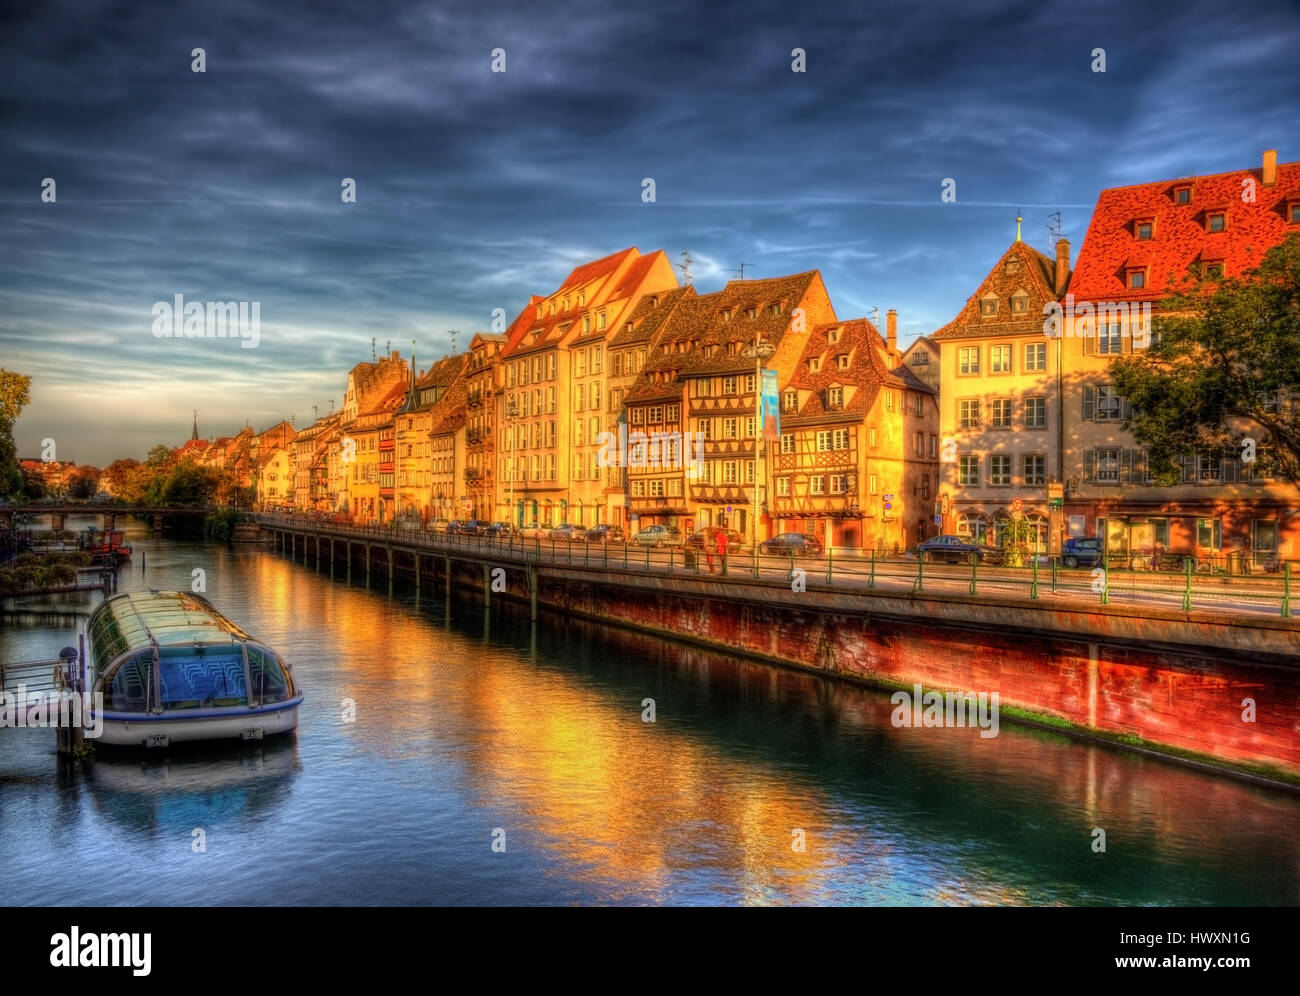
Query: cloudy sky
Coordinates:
[476,189]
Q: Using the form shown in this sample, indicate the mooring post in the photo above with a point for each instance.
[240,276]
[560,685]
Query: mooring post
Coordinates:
[487,586]
[532,593]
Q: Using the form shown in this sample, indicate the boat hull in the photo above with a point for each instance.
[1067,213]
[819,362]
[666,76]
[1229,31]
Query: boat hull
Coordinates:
[144,730]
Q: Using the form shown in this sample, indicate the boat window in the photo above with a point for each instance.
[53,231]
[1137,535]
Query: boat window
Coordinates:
[201,681]
[266,672]
[129,689]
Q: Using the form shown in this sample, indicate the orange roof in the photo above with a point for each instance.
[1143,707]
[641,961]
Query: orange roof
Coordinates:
[1180,233]
[1020,270]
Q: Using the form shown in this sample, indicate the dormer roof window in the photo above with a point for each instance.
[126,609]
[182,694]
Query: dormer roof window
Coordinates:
[1183,193]
[1216,221]
[989,306]
[1142,229]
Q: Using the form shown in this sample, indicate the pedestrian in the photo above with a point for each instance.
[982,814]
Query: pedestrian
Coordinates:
[722,549]
[710,548]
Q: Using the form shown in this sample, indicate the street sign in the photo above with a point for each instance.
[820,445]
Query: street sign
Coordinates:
[1017,504]
[938,520]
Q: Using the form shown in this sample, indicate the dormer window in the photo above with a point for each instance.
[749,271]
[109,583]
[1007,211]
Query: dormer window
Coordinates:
[842,361]
[833,335]
[1137,279]
[835,397]
[989,307]
[1019,302]
[566,304]
[1013,266]
[751,312]
[1183,194]
[1142,230]
[1293,212]
[790,401]
[814,364]
[726,314]
[1213,269]
[600,320]
[654,300]
[775,308]
[1216,221]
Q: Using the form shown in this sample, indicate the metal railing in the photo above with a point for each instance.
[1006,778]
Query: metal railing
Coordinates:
[1184,588]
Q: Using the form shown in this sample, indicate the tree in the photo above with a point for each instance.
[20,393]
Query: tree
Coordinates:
[117,473]
[189,484]
[1223,370]
[15,395]
[83,483]
[33,484]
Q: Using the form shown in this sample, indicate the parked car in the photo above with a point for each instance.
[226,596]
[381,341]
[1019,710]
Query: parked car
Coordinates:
[438,525]
[701,539]
[456,527]
[533,530]
[957,550]
[606,534]
[785,544]
[499,530]
[1078,551]
[405,523]
[566,532]
[659,536]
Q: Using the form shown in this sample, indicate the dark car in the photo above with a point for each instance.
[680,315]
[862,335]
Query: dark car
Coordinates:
[957,550]
[463,527]
[567,532]
[499,530]
[606,534]
[1076,552]
[792,544]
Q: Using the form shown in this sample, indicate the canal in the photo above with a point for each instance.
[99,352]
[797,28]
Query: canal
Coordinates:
[433,728]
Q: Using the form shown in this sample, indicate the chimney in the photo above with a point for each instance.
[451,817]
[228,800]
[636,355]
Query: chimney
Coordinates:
[1270,167]
[891,333]
[1062,266]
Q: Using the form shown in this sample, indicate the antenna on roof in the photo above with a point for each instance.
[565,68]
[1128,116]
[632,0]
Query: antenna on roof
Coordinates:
[685,266]
[1053,231]
[331,406]
[875,316]
[388,347]
[372,349]
[741,271]
[315,414]
[453,333]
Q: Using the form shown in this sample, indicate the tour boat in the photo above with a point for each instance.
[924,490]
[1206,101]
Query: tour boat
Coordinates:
[106,545]
[171,668]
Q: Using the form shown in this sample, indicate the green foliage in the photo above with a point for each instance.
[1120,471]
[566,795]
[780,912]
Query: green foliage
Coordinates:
[15,395]
[189,484]
[220,526]
[83,483]
[1224,367]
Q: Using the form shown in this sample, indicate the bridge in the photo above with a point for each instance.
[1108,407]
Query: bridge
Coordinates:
[59,512]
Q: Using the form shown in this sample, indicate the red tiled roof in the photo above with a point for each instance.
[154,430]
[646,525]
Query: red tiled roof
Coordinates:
[1035,275]
[1179,235]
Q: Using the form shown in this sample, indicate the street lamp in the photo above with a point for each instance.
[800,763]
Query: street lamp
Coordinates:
[760,351]
[512,412]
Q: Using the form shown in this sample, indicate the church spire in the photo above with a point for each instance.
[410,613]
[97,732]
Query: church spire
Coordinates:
[1018,221]
[195,433]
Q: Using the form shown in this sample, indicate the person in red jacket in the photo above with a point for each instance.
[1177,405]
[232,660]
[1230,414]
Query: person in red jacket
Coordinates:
[722,549]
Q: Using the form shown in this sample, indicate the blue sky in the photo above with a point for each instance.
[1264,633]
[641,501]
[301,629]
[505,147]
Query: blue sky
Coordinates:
[476,189]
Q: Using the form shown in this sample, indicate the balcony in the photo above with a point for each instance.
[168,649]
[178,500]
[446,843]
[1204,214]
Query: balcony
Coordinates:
[472,473]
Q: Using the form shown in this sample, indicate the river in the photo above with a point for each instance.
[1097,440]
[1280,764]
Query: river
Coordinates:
[472,728]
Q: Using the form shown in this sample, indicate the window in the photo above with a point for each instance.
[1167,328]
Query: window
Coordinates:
[1293,211]
[839,484]
[817,485]
[1107,466]
[968,471]
[968,413]
[871,437]
[833,335]
[918,404]
[891,399]
[1035,357]
[672,413]
[730,428]
[638,489]
[1137,279]
[842,361]
[1108,339]
[783,487]
[920,358]
[1109,404]
[840,439]
[654,415]
[1209,533]
[787,442]
[1183,195]
[728,385]
[1019,303]
[1000,469]
[824,438]
[1000,359]
[1209,466]
[989,307]
[586,324]
[751,385]
[1035,469]
[1035,413]
[1214,271]
[1143,230]
[600,319]
[1000,413]
[934,446]
[638,415]
[675,488]
[729,472]
[968,360]
[751,427]
[1216,222]
[814,364]
[835,397]
[790,401]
